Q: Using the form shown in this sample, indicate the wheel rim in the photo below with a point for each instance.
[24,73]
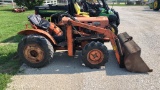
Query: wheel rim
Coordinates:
[155,4]
[33,53]
[95,56]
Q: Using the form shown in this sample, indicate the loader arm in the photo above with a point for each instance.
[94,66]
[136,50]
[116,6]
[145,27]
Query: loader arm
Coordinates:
[107,33]
[127,52]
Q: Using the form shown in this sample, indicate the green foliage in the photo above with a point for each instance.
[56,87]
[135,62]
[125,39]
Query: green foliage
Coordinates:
[10,24]
[9,62]
[4,78]
[30,4]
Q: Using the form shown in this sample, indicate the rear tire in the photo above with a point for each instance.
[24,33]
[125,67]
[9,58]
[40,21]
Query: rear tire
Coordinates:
[95,54]
[35,51]
[155,5]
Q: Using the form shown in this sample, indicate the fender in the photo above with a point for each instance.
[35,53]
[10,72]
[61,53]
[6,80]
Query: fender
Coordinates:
[40,32]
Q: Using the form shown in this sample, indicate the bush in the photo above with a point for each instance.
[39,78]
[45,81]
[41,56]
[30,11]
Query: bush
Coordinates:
[30,4]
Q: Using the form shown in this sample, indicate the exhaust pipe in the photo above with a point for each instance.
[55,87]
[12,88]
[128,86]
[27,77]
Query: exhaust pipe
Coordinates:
[131,55]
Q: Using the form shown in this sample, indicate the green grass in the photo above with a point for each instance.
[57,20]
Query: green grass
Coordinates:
[4,78]
[10,24]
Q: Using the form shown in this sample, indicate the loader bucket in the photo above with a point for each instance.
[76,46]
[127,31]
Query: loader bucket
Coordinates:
[131,54]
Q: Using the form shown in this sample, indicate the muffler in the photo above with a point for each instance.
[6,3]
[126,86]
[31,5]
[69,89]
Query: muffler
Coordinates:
[131,54]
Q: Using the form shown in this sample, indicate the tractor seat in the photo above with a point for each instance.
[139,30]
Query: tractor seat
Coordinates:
[78,10]
[39,22]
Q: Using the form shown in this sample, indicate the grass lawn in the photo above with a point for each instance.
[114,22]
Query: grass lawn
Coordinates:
[10,24]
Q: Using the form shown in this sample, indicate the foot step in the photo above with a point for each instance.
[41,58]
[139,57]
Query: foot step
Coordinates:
[62,44]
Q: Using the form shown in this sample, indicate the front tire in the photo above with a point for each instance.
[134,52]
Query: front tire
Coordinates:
[35,51]
[95,54]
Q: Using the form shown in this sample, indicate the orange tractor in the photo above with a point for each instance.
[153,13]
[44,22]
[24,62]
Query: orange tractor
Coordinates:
[37,48]
[18,10]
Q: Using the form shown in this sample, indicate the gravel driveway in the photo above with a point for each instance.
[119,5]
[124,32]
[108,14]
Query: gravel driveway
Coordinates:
[67,73]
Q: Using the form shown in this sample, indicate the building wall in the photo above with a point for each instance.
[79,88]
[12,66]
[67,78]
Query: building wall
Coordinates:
[5,0]
[50,2]
[56,2]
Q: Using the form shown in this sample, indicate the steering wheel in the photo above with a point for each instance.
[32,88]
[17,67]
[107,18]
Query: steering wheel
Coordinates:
[59,16]
[67,15]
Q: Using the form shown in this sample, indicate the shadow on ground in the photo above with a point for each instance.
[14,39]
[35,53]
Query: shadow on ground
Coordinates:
[150,10]
[147,9]
[12,39]
[63,64]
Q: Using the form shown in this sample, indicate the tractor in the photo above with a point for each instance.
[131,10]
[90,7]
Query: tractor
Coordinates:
[154,4]
[43,38]
[19,10]
[100,8]
[89,10]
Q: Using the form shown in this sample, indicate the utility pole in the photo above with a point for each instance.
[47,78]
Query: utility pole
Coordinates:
[13,4]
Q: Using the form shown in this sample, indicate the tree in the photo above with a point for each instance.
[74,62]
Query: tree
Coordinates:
[30,4]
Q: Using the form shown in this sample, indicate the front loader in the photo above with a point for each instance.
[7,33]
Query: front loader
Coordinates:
[67,33]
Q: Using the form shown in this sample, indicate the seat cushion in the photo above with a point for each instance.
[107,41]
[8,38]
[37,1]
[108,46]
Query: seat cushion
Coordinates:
[39,22]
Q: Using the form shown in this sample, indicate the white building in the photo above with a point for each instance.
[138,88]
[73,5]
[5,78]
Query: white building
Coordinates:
[46,2]
[6,1]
